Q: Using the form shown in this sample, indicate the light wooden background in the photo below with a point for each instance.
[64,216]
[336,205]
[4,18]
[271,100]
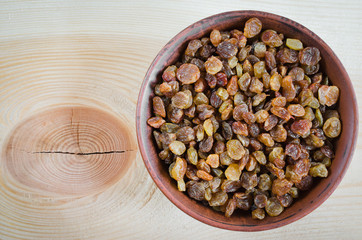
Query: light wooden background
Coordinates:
[95,53]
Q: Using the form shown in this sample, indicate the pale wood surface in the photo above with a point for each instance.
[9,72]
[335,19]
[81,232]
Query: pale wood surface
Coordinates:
[95,54]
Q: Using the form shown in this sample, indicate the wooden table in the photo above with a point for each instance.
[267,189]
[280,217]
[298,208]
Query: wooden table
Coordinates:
[74,58]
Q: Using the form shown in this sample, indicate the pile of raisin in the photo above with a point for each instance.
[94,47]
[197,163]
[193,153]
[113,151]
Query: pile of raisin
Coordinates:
[246,120]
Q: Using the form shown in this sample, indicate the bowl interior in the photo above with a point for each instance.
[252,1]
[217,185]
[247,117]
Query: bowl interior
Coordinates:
[329,65]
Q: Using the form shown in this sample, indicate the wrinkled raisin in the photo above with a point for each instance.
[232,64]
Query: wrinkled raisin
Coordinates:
[305,184]
[275,81]
[260,200]
[258,214]
[265,182]
[221,79]
[252,27]
[204,175]
[256,85]
[240,128]
[201,98]
[293,150]
[249,180]
[200,85]
[192,156]
[215,100]
[328,95]
[155,122]
[271,38]
[266,139]
[206,51]
[230,186]
[196,190]
[279,173]
[309,56]
[294,44]
[296,73]
[185,134]
[234,149]
[169,74]
[301,127]
[285,200]
[253,130]
[273,207]
[205,111]
[188,73]
[213,160]
[215,37]
[232,172]
[208,127]
[191,173]
[232,86]
[251,165]
[279,133]
[213,65]
[179,169]
[319,170]
[239,110]
[206,144]
[222,93]
[243,201]
[260,157]
[296,110]
[281,112]
[287,55]
[261,116]
[259,69]
[244,81]
[182,99]
[230,208]
[243,53]
[226,50]
[192,47]
[259,49]
[279,101]
[289,91]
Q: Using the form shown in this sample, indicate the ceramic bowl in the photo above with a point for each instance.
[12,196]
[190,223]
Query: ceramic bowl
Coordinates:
[345,144]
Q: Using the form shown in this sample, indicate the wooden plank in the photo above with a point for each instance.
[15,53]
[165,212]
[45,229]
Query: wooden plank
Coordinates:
[95,53]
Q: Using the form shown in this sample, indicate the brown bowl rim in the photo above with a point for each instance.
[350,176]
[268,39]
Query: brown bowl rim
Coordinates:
[235,227]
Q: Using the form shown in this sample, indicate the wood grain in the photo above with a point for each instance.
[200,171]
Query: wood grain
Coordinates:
[62,55]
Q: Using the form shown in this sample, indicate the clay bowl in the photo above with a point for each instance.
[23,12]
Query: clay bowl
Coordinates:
[344,146]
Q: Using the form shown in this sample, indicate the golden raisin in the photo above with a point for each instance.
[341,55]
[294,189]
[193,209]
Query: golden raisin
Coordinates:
[328,95]
[182,99]
[252,27]
[332,127]
[281,186]
[179,169]
[296,110]
[294,44]
[155,122]
[215,37]
[234,149]
[177,147]
[188,73]
[232,172]
[213,160]
[204,175]
[213,65]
